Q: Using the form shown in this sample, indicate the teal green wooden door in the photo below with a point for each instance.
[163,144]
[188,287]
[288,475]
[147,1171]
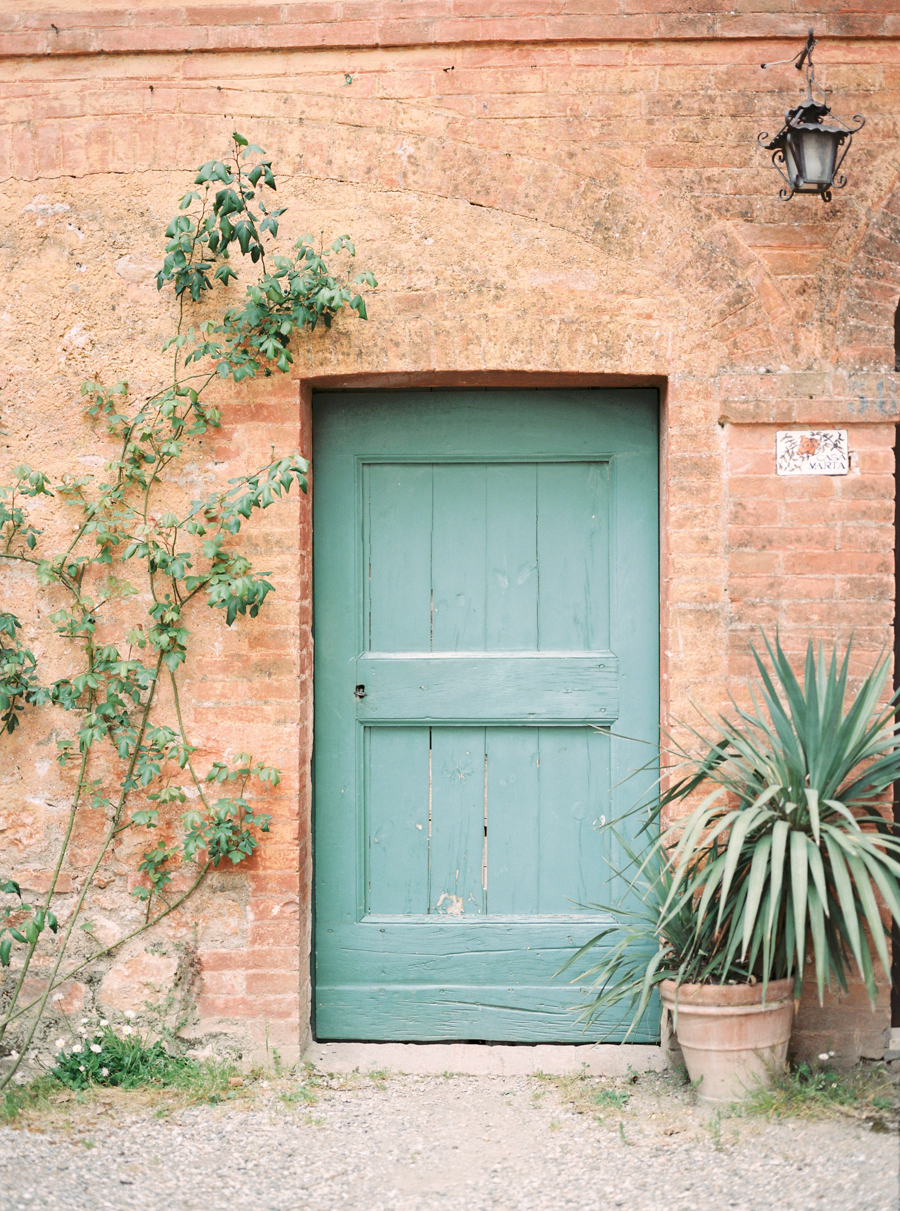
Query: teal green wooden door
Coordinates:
[486,635]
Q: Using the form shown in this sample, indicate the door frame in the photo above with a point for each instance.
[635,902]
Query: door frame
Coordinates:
[443,381]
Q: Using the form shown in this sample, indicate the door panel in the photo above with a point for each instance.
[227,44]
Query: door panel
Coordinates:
[486,679]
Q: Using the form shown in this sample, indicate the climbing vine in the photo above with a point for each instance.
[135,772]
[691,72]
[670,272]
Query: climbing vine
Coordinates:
[139,555]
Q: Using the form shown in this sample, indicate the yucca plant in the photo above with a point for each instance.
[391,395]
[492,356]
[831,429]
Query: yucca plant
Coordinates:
[787,850]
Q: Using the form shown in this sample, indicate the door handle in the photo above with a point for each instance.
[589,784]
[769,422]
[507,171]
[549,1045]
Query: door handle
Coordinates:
[360,691]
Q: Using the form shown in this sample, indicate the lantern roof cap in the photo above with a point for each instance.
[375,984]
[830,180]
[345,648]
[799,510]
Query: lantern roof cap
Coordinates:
[809,116]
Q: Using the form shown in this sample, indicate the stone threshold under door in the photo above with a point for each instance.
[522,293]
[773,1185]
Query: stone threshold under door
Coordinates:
[488,1059]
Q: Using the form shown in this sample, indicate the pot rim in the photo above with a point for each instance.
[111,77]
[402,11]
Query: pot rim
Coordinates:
[712,997]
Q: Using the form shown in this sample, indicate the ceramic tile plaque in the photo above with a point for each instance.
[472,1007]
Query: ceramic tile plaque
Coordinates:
[812,452]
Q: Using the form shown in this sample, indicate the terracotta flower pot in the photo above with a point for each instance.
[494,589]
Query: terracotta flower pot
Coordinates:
[731,1041]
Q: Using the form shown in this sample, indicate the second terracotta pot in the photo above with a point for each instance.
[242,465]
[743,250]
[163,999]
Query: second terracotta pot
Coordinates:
[732,1041]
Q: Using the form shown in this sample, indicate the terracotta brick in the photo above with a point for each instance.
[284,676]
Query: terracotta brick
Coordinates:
[756,562]
[265,934]
[813,562]
[755,512]
[271,983]
[847,614]
[866,588]
[228,982]
[283,958]
[801,588]
[755,588]
[746,486]
[248,1007]
[866,538]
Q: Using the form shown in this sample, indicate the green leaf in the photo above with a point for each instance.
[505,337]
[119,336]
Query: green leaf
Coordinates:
[147,819]
[759,870]
[870,907]
[799,882]
[819,939]
[780,833]
[845,892]
[812,803]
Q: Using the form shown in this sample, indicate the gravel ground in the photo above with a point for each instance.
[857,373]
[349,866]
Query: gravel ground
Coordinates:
[417,1143]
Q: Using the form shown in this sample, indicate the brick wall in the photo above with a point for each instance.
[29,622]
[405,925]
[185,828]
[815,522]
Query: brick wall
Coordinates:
[570,195]
[74,28]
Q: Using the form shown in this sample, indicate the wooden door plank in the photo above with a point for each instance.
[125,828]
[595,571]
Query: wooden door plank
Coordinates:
[573,556]
[511,555]
[461,979]
[475,1013]
[457,950]
[458,563]
[533,687]
[457,820]
[513,820]
[574,790]
[397,819]
[397,546]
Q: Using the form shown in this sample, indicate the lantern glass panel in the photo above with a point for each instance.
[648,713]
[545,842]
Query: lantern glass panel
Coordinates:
[818,151]
[791,157]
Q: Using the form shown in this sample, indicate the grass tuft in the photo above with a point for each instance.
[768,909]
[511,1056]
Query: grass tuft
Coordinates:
[18,1098]
[610,1099]
[867,1092]
[157,1087]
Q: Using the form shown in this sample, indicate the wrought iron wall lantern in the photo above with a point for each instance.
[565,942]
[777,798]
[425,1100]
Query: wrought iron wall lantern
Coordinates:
[810,148]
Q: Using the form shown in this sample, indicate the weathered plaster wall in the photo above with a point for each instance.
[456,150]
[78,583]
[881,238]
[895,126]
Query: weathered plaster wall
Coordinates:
[541,201]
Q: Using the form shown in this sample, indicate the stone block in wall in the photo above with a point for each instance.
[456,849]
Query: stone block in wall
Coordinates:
[135,982]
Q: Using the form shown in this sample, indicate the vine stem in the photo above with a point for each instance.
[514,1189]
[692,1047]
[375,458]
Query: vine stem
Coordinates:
[79,787]
[62,853]
[190,764]
[111,832]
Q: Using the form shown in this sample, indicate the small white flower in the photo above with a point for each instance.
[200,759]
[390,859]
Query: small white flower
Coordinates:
[81,1067]
[77,1049]
[84,1021]
[96,1048]
[831,1053]
[129,1013]
[58,996]
[823,1057]
[127,1030]
[104,1072]
[103,1022]
[60,1043]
